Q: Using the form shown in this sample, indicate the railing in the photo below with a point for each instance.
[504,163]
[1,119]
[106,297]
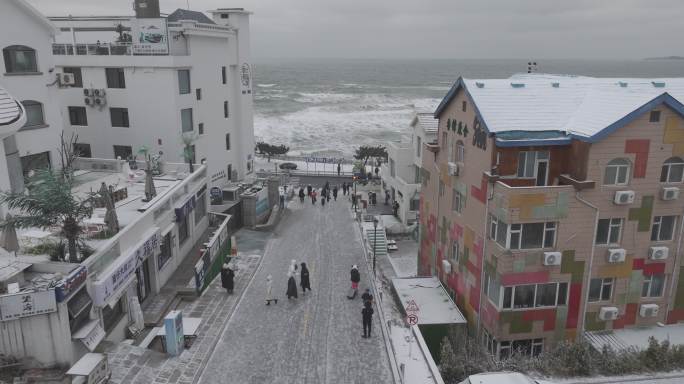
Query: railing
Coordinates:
[104,49]
[515,204]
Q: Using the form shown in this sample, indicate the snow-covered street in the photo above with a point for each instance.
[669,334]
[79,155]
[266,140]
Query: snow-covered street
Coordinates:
[317,337]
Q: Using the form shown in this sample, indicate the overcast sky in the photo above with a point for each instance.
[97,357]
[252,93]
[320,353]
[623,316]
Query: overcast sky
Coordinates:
[580,29]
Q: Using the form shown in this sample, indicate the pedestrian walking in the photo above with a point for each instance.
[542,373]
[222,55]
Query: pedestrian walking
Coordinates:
[327,194]
[367,314]
[344,188]
[291,282]
[227,278]
[269,291]
[282,200]
[313,197]
[327,185]
[367,296]
[304,281]
[322,200]
[355,278]
[301,195]
[335,193]
[308,190]
[395,208]
[338,169]
[387,197]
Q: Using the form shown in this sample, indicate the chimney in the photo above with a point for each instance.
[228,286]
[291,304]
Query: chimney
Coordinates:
[146,9]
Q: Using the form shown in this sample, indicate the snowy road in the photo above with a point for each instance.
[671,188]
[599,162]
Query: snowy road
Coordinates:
[315,338]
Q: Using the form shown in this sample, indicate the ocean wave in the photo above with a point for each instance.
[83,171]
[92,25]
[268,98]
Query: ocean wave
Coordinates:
[266,85]
[319,98]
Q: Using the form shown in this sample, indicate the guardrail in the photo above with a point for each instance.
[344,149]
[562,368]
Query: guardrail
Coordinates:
[103,49]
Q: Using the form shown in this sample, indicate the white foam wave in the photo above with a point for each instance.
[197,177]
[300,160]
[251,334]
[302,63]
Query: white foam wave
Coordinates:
[266,85]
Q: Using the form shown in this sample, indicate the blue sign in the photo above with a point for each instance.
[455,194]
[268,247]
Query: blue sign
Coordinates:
[216,192]
[173,325]
[71,283]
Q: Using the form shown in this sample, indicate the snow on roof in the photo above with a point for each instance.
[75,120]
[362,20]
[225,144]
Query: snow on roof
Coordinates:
[86,365]
[427,121]
[10,110]
[574,105]
[186,14]
[621,339]
[434,304]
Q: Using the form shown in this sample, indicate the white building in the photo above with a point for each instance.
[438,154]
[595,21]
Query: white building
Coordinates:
[191,76]
[27,73]
[401,174]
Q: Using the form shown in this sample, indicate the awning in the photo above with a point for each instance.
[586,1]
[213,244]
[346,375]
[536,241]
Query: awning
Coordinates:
[621,339]
[90,334]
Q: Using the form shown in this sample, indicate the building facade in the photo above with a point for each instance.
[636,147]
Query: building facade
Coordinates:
[27,72]
[401,173]
[551,206]
[188,84]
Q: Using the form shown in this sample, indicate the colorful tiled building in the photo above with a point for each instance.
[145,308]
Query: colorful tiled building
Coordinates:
[551,206]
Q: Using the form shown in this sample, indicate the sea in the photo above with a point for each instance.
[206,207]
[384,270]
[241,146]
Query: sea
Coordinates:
[329,107]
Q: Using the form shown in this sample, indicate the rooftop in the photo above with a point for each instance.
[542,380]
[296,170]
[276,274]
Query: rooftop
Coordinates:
[427,121]
[186,14]
[433,304]
[621,339]
[571,106]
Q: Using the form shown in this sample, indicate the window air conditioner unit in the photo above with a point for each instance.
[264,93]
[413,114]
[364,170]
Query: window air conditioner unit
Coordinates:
[670,193]
[87,92]
[658,253]
[100,101]
[552,258]
[454,169]
[88,101]
[648,310]
[446,266]
[616,255]
[99,92]
[65,79]
[608,313]
[624,197]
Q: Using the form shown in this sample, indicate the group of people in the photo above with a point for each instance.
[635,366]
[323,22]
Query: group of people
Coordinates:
[292,273]
[326,193]
[367,298]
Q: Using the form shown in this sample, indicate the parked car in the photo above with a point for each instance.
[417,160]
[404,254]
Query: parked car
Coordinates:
[290,166]
[502,378]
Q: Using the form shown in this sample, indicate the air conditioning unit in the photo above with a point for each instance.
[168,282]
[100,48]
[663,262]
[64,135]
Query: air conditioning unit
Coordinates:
[616,255]
[446,266]
[648,310]
[454,169]
[658,253]
[670,193]
[88,101]
[100,101]
[552,258]
[99,92]
[624,197]
[65,79]
[87,92]
[608,313]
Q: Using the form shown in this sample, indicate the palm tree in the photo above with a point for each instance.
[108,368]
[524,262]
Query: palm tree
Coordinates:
[49,202]
[189,150]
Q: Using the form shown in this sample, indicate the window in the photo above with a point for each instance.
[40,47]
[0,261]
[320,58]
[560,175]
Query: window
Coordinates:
[225,109]
[445,138]
[419,143]
[119,117]
[82,150]
[183,230]
[78,116]
[529,347]
[115,78]
[464,106]
[35,162]
[112,316]
[34,114]
[663,228]
[223,75]
[653,286]
[186,120]
[617,171]
[457,201]
[123,151]
[200,127]
[227,141]
[224,15]
[454,251]
[198,93]
[414,204]
[78,76]
[20,59]
[672,170]
[532,235]
[201,206]
[534,295]
[527,162]
[498,230]
[459,152]
[608,231]
[166,251]
[489,342]
[184,81]
[654,117]
[600,289]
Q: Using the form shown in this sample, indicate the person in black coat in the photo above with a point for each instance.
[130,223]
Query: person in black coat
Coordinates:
[227,277]
[304,281]
[355,277]
[367,296]
[367,314]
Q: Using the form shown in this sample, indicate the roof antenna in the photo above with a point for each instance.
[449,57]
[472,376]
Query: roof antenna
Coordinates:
[531,67]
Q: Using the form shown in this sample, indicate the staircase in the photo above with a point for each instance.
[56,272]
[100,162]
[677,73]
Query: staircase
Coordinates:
[380,239]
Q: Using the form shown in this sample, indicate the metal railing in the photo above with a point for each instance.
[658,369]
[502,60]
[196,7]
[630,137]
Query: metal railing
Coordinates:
[104,49]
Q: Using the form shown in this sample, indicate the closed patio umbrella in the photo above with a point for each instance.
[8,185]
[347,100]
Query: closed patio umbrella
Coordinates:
[8,237]
[110,219]
[150,190]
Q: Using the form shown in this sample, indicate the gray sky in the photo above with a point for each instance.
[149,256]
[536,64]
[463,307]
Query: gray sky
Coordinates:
[580,29]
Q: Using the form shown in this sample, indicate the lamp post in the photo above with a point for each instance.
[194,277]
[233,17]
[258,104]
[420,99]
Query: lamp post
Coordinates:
[355,199]
[375,240]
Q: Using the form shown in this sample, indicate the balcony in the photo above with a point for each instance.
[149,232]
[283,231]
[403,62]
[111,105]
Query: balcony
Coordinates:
[521,204]
[104,49]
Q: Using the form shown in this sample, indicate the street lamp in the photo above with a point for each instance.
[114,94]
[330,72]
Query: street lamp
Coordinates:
[356,197]
[375,240]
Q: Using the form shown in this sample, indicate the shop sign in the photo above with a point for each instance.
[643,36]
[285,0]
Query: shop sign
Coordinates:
[185,209]
[93,337]
[111,282]
[216,192]
[150,36]
[26,304]
[71,283]
[325,160]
